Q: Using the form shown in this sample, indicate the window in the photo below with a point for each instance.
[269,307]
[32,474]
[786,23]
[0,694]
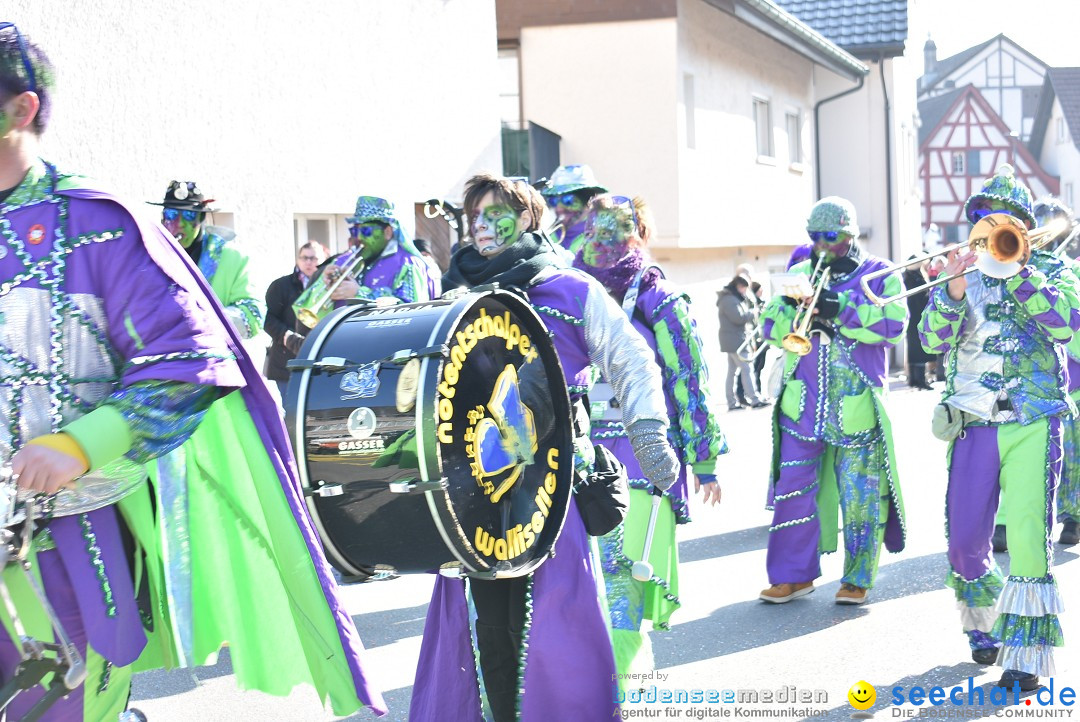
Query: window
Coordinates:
[763,127]
[1061,137]
[958,164]
[509,88]
[691,110]
[329,230]
[974,162]
[793,124]
[1067,194]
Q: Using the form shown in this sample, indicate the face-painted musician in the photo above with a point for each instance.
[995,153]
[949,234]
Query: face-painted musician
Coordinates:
[214,250]
[1006,386]
[117,364]
[617,232]
[833,444]
[568,194]
[391,269]
[549,625]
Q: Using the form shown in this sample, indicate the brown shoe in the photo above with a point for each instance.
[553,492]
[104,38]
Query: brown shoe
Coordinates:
[851,594]
[780,593]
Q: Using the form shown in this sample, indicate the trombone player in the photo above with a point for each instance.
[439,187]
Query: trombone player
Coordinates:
[1004,329]
[833,445]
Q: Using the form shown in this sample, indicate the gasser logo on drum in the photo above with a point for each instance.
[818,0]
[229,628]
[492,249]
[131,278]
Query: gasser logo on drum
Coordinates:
[500,436]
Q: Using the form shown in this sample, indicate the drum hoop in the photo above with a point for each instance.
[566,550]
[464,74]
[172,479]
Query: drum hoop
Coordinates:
[330,323]
[426,413]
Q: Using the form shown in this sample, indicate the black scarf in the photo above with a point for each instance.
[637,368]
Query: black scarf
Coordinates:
[515,266]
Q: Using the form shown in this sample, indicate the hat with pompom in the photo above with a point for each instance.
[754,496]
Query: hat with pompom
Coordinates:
[1004,187]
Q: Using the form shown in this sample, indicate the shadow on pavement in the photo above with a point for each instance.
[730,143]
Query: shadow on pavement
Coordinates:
[751,624]
[159,683]
[381,628]
[722,545]
[944,677]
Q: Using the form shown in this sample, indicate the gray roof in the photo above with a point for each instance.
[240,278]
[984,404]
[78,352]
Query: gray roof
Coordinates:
[933,110]
[864,28]
[1063,83]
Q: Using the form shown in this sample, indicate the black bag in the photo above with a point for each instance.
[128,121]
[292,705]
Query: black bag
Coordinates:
[604,496]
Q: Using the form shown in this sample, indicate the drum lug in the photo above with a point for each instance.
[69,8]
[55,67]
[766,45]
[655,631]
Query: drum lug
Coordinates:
[408,487]
[328,489]
[403,356]
[451,570]
[330,364]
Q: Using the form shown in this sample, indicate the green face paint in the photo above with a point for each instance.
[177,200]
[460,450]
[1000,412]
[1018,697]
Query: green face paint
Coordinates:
[184,231]
[370,237]
[607,237]
[494,227]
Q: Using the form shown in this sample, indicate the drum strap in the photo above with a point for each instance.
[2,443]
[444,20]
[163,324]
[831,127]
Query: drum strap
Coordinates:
[630,299]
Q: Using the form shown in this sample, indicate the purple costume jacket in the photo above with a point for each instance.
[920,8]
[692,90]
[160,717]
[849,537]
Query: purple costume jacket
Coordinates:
[569,663]
[136,293]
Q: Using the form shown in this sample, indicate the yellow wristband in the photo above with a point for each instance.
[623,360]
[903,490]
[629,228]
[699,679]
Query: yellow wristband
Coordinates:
[65,444]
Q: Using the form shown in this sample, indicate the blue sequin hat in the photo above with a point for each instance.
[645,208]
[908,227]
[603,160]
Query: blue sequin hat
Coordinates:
[1003,187]
[570,178]
[833,214]
[373,208]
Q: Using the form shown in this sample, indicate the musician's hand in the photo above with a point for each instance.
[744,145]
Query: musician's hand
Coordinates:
[710,486]
[955,264]
[45,470]
[348,289]
[293,341]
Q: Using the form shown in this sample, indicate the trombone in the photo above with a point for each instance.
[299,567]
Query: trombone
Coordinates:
[315,302]
[1002,244]
[798,341]
[754,344]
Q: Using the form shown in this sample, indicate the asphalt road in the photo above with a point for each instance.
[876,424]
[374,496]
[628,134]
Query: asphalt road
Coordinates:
[722,638]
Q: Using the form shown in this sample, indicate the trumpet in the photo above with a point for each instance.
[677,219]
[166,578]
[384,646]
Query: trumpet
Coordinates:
[1002,244]
[315,302]
[798,341]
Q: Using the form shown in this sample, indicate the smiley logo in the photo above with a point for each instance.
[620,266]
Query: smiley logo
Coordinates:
[862,695]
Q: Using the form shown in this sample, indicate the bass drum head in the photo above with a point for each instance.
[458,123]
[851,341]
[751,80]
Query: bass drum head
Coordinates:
[504,438]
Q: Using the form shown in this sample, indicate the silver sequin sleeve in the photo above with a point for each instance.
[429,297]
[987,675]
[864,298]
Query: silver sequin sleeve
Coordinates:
[624,359]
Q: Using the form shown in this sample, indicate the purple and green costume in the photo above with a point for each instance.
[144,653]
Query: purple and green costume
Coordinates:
[1006,371]
[661,315]
[399,271]
[226,269]
[832,440]
[567,667]
[99,310]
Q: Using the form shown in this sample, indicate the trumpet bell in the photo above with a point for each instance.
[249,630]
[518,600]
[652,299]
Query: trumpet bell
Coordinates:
[796,344]
[307,317]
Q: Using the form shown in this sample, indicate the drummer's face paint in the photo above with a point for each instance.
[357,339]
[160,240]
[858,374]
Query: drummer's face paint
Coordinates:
[569,208]
[831,244]
[608,232]
[184,226]
[494,227]
[371,237]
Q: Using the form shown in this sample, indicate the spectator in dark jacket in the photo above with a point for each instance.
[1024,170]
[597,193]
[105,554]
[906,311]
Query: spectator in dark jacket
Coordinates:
[280,318]
[737,320]
[917,356]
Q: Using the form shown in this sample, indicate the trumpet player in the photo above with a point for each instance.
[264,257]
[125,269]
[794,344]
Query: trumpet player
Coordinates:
[1002,411]
[390,266]
[833,445]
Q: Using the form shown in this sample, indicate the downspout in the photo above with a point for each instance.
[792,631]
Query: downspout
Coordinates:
[888,160]
[817,132]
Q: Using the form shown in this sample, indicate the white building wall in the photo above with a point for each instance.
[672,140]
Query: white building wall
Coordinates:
[609,90]
[274,109]
[728,196]
[1060,157]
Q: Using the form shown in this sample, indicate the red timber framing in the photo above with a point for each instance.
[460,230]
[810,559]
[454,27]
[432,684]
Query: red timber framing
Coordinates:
[967,146]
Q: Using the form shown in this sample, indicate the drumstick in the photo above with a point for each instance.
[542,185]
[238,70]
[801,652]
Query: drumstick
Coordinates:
[642,571]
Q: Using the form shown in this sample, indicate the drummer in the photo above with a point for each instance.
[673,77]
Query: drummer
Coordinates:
[545,632]
[393,267]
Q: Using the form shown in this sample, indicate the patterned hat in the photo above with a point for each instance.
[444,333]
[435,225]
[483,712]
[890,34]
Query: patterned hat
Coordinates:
[833,214]
[570,178]
[185,196]
[1048,208]
[1005,188]
[373,208]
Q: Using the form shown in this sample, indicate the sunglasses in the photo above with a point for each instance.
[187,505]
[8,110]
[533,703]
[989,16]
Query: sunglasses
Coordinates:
[309,258]
[827,236]
[566,199]
[30,77]
[366,230]
[171,214]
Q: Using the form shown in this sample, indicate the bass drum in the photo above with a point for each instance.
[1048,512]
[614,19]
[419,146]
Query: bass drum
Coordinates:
[433,436]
